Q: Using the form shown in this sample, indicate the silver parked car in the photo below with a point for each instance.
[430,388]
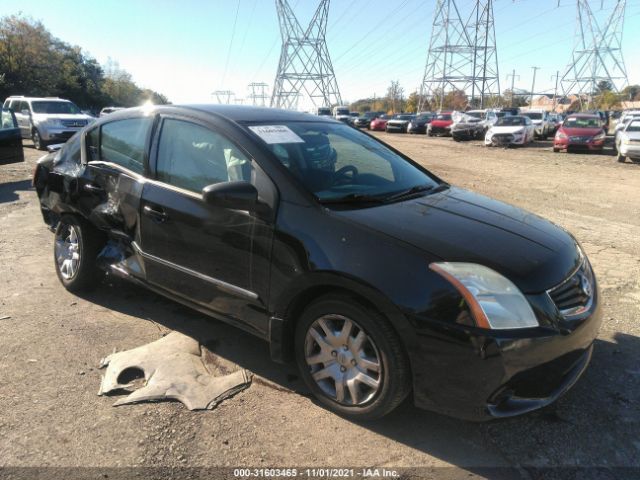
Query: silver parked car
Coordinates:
[47,120]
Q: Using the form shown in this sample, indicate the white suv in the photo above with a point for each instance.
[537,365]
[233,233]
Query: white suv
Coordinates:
[540,120]
[46,120]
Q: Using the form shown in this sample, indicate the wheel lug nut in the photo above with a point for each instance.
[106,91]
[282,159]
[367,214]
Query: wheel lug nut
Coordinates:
[334,353]
[343,369]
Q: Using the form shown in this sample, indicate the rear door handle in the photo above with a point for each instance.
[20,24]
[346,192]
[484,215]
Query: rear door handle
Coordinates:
[90,187]
[157,215]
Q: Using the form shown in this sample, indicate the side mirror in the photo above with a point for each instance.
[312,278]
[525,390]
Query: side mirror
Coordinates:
[234,195]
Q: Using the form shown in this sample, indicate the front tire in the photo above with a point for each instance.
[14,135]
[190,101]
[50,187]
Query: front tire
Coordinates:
[76,248]
[37,140]
[351,358]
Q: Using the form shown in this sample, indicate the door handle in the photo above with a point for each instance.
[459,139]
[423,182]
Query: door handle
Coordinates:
[90,187]
[157,215]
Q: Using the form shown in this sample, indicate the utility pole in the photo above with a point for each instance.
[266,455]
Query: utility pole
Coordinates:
[462,54]
[597,52]
[513,78]
[555,91]
[533,85]
[304,64]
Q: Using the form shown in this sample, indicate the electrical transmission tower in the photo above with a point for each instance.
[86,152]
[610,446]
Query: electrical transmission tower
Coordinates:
[462,55]
[304,60]
[597,54]
[223,96]
[258,93]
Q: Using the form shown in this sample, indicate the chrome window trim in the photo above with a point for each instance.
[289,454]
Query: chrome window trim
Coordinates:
[227,287]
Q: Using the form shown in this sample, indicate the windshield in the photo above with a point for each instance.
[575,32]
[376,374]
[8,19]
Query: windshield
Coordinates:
[369,115]
[633,127]
[342,111]
[533,115]
[335,161]
[582,122]
[403,117]
[443,116]
[324,111]
[423,118]
[54,107]
[510,121]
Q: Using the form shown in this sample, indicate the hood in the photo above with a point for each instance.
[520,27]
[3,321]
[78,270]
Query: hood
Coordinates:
[441,123]
[590,132]
[61,116]
[466,125]
[397,121]
[459,225]
[507,129]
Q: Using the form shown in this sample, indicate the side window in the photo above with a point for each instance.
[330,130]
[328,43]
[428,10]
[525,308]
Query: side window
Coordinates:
[92,142]
[192,157]
[123,142]
[7,121]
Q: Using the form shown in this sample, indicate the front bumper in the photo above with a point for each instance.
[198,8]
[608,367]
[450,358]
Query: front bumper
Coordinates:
[630,150]
[417,128]
[435,130]
[391,127]
[504,139]
[576,145]
[480,375]
[49,134]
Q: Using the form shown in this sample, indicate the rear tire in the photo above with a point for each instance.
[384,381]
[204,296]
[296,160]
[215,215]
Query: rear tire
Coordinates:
[621,158]
[76,248]
[357,369]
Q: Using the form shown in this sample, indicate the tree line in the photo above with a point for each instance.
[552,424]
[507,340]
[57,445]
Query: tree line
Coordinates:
[35,63]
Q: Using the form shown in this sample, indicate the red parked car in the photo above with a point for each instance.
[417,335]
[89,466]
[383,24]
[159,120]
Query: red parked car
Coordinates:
[580,132]
[380,123]
[440,125]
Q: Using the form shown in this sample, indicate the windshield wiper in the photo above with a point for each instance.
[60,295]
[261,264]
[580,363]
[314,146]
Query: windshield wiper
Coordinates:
[352,198]
[415,190]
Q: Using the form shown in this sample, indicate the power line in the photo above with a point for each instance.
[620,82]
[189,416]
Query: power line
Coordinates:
[233,33]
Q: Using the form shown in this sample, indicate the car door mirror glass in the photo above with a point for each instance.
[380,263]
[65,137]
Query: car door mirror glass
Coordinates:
[239,195]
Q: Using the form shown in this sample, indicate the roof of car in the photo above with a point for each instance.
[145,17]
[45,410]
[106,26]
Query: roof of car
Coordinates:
[585,115]
[245,113]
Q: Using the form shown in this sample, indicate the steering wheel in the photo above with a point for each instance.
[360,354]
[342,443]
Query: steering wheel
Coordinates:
[341,175]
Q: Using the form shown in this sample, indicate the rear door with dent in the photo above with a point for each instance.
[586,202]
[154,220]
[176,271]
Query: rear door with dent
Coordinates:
[115,154]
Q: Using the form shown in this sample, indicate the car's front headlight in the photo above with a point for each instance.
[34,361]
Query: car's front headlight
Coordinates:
[519,132]
[600,136]
[624,141]
[560,135]
[494,301]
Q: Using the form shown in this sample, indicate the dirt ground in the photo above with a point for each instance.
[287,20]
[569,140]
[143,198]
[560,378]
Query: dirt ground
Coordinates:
[52,342]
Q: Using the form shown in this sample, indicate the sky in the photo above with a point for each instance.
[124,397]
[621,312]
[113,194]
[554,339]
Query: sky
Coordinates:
[187,49]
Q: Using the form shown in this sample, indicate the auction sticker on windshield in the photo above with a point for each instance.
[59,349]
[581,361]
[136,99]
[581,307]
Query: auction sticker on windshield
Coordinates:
[276,134]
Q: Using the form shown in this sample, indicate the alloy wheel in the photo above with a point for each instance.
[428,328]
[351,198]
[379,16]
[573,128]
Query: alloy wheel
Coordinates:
[343,360]
[67,251]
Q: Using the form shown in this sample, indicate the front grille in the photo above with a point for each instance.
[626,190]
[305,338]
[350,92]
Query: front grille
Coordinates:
[74,123]
[579,139]
[501,138]
[575,295]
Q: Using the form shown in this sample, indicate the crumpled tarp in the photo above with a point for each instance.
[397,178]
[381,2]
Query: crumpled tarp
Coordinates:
[173,368]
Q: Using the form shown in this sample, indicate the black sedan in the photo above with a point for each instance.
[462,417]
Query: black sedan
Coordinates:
[376,276]
[364,120]
[419,124]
